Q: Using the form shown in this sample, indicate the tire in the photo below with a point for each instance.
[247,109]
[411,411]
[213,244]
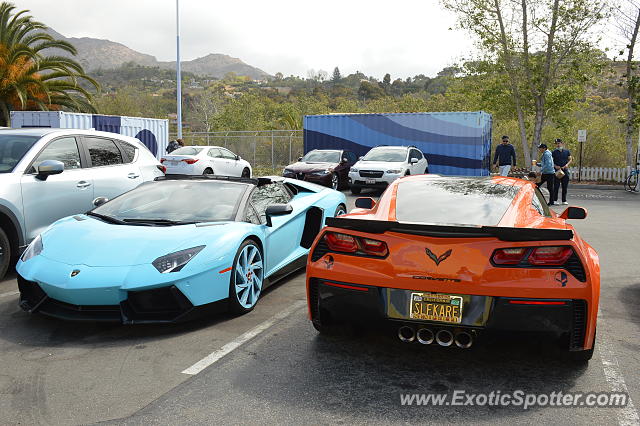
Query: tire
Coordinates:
[355,190]
[246,173]
[207,171]
[335,181]
[426,170]
[407,173]
[340,210]
[631,183]
[5,253]
[243,296]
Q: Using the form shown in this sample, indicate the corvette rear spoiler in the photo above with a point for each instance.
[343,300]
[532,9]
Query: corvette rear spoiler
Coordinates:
[451,231]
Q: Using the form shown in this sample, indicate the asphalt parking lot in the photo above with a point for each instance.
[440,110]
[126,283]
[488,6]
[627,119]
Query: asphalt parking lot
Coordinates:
[270,366]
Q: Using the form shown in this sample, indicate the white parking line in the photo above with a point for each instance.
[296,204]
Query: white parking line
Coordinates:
[240,340]
[10,293]
[627,416]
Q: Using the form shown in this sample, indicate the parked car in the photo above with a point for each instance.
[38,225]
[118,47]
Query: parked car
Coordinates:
[484,254]
[47,174]
[206,160]
[328,167]
[384,164]
[175,248]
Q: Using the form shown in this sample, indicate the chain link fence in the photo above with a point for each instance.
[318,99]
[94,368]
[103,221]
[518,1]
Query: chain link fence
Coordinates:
[268,151]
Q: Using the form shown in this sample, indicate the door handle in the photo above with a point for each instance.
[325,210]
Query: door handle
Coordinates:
[132,176]
[83,184]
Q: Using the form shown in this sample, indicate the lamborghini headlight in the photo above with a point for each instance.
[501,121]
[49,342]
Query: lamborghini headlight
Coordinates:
[173,262]
[34,249]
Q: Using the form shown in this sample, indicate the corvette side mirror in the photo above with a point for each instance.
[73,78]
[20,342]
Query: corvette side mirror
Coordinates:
[277,210]
[365,203]
[574,213]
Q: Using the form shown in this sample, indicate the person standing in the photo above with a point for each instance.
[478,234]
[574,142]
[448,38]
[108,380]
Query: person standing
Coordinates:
[547,170]
[172,146]
[505,156]
[561,160]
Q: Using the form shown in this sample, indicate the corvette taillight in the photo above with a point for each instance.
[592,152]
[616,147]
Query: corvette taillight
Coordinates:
[509,256]
[532,256]
[341,242]
[190,160]
[345,243]
[543,256]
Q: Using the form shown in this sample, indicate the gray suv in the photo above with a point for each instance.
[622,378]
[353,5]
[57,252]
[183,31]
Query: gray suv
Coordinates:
[47,174]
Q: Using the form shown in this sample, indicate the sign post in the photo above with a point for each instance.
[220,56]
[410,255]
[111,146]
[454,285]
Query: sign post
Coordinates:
[582,138]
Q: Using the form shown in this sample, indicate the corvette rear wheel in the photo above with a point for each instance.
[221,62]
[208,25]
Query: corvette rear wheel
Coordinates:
[247,278]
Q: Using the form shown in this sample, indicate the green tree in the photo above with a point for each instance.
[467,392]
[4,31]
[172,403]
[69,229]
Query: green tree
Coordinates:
[539,45]
[29,78]
[628,20]
[336,76]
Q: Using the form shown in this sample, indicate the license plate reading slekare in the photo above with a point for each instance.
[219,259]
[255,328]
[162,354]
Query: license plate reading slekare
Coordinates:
[436,307]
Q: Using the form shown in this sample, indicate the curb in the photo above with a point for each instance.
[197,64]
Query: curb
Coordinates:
[595,186]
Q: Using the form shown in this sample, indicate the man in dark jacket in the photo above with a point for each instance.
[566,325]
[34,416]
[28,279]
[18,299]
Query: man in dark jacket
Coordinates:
[172,146]
[561,160]
[505,156]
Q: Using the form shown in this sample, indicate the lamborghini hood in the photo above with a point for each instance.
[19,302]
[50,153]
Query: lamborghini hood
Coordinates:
[83,240]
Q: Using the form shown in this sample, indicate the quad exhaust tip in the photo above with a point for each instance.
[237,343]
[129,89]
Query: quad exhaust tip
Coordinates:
[463,340]
[425,336]
[406,334]
[444,338]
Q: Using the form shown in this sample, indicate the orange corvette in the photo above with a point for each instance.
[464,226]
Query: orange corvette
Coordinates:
[442,259]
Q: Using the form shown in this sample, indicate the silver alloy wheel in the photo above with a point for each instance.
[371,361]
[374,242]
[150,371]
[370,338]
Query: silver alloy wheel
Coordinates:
[335,181]
[248,276]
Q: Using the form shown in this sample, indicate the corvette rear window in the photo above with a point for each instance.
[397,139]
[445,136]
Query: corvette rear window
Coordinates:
[460,201]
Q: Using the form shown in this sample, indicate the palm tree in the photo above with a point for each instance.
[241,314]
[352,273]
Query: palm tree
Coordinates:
[29,78]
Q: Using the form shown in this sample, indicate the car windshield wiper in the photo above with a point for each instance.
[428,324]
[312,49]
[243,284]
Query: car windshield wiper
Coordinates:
[106,218]
[166,222]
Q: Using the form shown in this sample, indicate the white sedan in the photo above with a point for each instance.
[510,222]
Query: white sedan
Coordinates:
[205,160]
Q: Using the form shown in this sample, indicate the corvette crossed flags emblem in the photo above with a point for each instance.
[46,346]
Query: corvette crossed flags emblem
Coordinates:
[438,259]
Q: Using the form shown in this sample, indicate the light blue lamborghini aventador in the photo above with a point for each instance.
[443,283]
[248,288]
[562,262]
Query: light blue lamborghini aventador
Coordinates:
[174,248]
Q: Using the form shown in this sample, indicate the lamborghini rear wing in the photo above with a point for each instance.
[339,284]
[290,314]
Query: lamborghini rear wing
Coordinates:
[451,231]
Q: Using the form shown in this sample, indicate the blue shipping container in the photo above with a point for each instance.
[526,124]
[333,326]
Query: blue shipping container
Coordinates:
[455,143]
[152,132]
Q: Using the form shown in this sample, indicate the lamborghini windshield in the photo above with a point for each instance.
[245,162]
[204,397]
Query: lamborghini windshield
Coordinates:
[175,203]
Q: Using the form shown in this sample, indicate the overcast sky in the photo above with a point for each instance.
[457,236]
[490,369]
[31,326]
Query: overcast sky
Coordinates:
[403,38]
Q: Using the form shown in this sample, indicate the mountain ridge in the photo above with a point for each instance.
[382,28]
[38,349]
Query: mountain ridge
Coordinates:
[95,54]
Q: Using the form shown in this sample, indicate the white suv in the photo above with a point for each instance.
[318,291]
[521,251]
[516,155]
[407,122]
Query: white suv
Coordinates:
[47,174]
[384,164]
